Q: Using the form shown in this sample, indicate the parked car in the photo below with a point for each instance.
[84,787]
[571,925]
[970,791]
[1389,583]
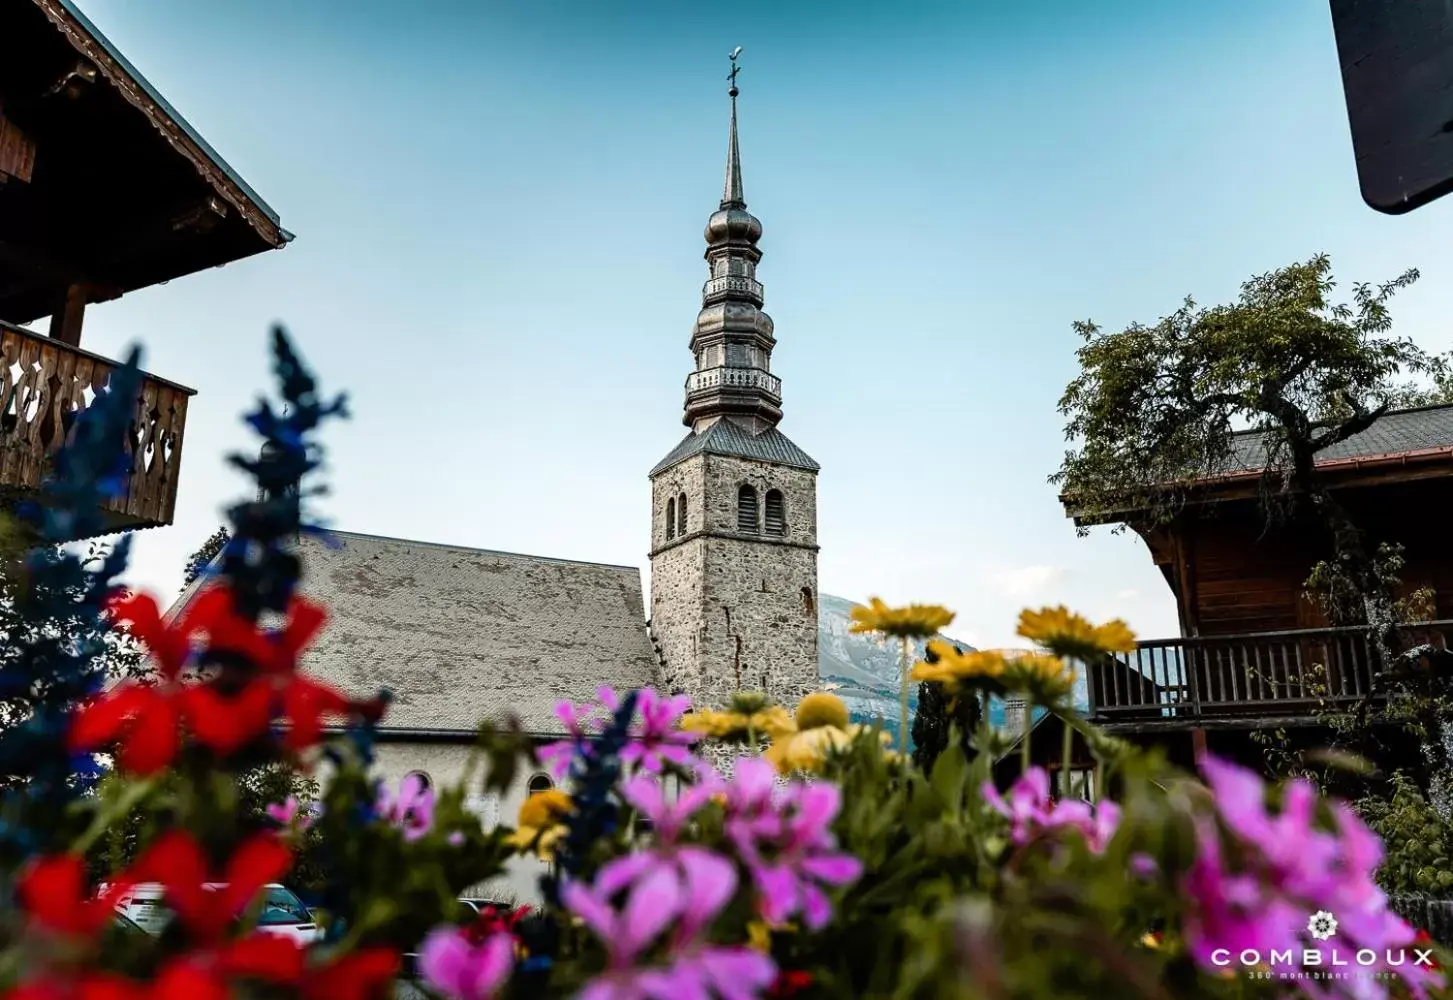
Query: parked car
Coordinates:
[282,914]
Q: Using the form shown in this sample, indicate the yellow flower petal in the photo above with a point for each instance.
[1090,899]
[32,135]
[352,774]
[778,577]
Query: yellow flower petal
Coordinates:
[915,621]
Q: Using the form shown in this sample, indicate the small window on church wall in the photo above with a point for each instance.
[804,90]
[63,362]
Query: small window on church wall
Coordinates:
[746,509]
[671,518]
[809,606]
[776,513]
[421,777]
[681,515]
[540,783]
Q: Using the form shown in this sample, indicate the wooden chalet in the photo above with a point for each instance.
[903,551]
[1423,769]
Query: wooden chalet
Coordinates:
[1253,653]
[104,189]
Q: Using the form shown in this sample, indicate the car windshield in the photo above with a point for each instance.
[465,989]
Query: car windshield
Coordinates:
[281,907]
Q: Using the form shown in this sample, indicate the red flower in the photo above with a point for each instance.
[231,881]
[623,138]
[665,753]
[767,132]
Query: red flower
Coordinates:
[227,724]
[305,704]
[176,860]
[54,892]
[358,976]
[790,982]
[215,612]
[363,975]
[143,720]
[169,645]
[266,957]
[177,981]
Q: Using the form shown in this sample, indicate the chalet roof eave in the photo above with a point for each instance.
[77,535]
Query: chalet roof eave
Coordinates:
[1233,485]
[89,42]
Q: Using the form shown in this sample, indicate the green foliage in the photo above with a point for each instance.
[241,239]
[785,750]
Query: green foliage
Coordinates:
[1155,406]
[199,560]
[1418,840]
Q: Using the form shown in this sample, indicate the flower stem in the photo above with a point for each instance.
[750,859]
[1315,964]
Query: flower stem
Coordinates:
[1024,741]
[904,667]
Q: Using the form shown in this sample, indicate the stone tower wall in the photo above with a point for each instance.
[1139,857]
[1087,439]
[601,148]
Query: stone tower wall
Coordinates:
[735,610]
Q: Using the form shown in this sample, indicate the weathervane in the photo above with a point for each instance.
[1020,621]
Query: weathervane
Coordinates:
[735,70]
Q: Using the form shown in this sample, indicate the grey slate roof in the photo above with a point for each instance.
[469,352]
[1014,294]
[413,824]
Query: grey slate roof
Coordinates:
[459,635]
[1425,428]
[727,438]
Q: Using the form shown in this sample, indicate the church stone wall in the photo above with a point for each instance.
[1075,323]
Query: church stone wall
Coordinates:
[444,765]
[735,611]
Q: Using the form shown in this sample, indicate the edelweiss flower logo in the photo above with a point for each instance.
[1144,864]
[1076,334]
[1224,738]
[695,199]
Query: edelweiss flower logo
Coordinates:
[1322,925]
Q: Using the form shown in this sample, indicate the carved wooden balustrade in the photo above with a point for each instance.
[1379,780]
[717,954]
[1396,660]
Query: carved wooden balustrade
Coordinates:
[43,385]
[1195,681]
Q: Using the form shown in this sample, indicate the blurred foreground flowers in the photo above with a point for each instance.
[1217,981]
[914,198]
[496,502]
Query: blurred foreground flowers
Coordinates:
[819,862]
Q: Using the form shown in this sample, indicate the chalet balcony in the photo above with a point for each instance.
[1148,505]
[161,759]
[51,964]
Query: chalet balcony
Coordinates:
[1255,679]
[44,383]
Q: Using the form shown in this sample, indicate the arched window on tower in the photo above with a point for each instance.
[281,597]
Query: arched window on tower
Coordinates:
[671,518]
[681,515]
[776,513]
[746,509]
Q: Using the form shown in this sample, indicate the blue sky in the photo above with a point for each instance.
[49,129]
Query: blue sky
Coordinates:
[499,211]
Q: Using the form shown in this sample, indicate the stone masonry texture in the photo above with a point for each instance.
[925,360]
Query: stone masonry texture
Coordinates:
[732,610]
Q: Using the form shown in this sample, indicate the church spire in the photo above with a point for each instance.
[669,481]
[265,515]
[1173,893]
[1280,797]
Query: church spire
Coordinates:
[732,341]
[731,194]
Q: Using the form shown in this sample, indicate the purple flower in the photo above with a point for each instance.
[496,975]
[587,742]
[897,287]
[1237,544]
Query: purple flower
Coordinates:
[656,738]
[282,813]
[1030,811]
[784,839]
[412,810]
[656,896]
[461,970]
[1289,868]
[580,722]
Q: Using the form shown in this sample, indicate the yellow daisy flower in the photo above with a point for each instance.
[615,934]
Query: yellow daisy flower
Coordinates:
[737,726]
[821,709]
[1044,678]
[807,750]
[542,823]
[916,621]
[951,667]
[1065,633]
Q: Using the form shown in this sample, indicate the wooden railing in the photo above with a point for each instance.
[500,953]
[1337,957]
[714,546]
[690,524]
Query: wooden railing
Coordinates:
[44,384]
[1257,675]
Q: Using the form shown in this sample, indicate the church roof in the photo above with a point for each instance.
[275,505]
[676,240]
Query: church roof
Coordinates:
[460,634]
[727,438]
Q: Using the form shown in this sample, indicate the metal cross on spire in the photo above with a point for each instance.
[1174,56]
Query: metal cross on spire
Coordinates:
[732,76]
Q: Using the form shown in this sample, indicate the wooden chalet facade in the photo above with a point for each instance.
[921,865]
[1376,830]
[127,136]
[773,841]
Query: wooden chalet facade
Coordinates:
[1253,653]
[104,189]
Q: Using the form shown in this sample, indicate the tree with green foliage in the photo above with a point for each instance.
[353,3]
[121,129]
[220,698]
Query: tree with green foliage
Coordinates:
[1155,408]
[198,561]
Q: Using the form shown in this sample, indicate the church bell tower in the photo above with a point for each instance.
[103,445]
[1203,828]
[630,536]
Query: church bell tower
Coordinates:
[734,505]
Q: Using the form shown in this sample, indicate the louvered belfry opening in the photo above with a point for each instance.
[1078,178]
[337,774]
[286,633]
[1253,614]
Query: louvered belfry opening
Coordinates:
[776,513]
[671,518]
[747,509]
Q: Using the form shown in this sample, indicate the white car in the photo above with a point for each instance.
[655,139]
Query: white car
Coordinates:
[283,914]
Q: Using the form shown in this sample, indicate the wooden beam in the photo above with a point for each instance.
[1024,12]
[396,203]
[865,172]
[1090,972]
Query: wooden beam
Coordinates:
[1198,745]
[65,323]
[17,152]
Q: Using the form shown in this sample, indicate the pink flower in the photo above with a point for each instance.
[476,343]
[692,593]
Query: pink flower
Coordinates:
[1288,869]
[460,970]
[656,896]
[655,737]
[412,810]
[1030,811]
[282,813]
[580,722]
[786,843]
